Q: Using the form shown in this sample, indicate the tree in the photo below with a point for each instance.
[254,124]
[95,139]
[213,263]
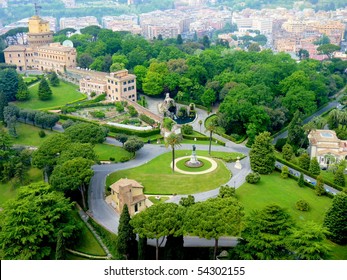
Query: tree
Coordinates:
[9,84]
[303,54]
[11,114]
[200,123]
[72,175]
[339,177]
[179,39]
[74,150]
[211,127]
[328,49]
[336,219]
[304,161]
[206,41]
[133,144]
[285,172]
[254,47]
[265,235]
[141,248]
[126,237]
[319,188]
[122,138]
[208,97]
[30,223]
[214,218]
[226,191]
[287,152]
[44,92]
[60,253]
[308,243]
[86,133]
[3,104]
[158,221]
[295,131]
[314,166]
[262,154]
[53,79]
[85,60]
[187,201]
[23,93]
[301,181]
[173,140]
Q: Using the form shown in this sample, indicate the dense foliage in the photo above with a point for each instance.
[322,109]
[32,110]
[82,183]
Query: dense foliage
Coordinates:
[262,154]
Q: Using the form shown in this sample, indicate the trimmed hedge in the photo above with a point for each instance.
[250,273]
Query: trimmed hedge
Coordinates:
[196,105]
[331,184]
[147,119]
[202,138]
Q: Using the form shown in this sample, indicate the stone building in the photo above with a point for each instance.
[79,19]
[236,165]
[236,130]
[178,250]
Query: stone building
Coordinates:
[129,192]
[121,86]
[325,145]
[40,53]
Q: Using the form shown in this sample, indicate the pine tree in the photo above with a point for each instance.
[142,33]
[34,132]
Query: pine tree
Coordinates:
[314,166]
[23,91]
[60,253]
[301,181]
[179,39]
[339,178]
[45,92]
[126,236]
[262,154]
[336,219]
[54,80]
[287,152]
[3,104]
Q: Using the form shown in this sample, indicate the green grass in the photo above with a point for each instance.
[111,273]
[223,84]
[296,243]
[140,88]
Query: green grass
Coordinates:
[62,95]
[8,191]
[29,135]
[160,200]
[206,165]
[86,242]
[199,142]
[284,192]
[172,183]
[105,151]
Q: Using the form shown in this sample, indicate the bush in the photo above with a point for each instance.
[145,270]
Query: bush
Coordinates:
[119,107]
[187,129]
[302,205]
[280,143]
[147,119]
[112,159]
[92,94]
[253,178]
[285,172]
[132,111]
[98,114]
[42,133]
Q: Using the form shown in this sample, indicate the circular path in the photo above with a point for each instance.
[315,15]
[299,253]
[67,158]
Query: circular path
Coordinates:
[213,167]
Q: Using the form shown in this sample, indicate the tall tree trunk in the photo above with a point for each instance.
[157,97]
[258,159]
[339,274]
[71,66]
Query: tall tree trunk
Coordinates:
[215,248]
[157,249]
[209,147]
[173,159]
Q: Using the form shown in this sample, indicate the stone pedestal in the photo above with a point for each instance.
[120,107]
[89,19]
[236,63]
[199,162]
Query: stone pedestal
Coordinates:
[193,159]
[238,164]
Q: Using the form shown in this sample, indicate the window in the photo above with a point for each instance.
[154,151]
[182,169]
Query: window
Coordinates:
[10,55]
[19,55]
[129,88]
[124,83]
[125,89]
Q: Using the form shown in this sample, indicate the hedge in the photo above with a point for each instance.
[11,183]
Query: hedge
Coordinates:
[85,105]
[7,66]
[196,105]
[331,184]
[203,138]
[147,119]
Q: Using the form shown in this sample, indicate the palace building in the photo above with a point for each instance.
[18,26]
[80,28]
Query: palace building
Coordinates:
[40,53]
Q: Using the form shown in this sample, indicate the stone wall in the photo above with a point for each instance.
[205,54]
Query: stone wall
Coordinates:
[145,111]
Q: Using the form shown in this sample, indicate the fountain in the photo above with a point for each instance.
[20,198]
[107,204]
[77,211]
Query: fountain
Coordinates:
[193,162]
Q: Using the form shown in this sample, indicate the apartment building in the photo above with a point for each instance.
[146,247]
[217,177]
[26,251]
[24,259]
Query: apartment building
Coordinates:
[121,86]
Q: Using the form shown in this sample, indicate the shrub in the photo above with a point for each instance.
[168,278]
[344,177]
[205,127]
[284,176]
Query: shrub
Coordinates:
[280,143]
[98,114]
[304,161]
[253,178]
[147,119]
[92,94]
[112,159]
[187,129]
[99,98]
[132,111]
[301,181]
[42,133]
[119,107]
[339,178]
[285,172]
[287,152]
[302,205]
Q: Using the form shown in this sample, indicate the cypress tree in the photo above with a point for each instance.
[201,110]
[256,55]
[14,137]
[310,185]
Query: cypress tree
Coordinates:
[3,104]
[54,80]
[301,181]
[336,219]
[44,92]
[126,236]
[339,178]
[287,152]
[314,166]
[23,91]
[304,161]
[60,253]
[262,154]
[319,188]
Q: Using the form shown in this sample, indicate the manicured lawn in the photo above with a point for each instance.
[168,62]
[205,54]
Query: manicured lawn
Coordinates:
[199,142]
[284,192]
[160,200]
[330,176]
[7,191]
[170,183]
[62,95]
[105,152]
[29,135]
[87,242]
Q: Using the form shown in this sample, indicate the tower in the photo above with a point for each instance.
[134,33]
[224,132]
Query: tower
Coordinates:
[39,33]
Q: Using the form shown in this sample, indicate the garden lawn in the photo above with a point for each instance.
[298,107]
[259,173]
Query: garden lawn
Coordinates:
[105,152]
[86,242]
[284,192]
[28,135]
[160,200]
[63,94]
[8,191]
[157,177]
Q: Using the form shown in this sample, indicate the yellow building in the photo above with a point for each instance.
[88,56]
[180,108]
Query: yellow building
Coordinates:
[121,86]
[41,54]
[129,192]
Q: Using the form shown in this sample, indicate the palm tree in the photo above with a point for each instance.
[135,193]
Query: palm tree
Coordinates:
[211,127]
[173,140]
[200,123]
[334,118]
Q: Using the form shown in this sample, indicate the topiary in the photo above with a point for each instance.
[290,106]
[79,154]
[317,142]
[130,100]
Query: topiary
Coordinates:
[42,134]
[253,178]
[302,205]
